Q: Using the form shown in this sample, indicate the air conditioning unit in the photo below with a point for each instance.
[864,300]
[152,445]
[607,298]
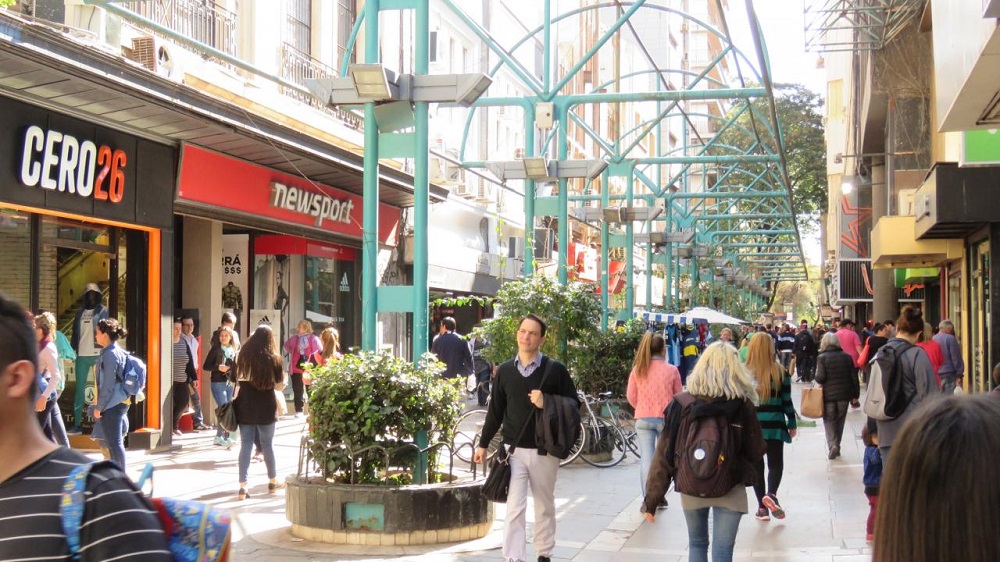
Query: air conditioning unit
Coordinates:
[515,247]
[436,169]
[544,238]
[464,190]
[158,56]
[484,191]
[905,206]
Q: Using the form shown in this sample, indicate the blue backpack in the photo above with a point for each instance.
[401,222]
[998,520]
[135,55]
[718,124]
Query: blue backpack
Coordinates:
[134,375]
[195,532]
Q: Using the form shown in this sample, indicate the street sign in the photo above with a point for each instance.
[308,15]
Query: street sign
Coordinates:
[980,148]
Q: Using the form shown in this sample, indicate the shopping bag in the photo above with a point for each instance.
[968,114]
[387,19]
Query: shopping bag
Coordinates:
[812,402]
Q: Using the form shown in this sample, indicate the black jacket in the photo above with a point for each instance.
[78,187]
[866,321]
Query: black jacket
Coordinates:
[557,425]
[215,358]
[454,352]
[805,344]
[835,370]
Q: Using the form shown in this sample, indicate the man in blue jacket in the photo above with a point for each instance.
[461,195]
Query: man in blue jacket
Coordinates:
[453,351]
[953,368]
[84,342]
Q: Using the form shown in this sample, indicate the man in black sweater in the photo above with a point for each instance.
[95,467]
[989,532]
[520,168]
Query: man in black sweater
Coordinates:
[516,396]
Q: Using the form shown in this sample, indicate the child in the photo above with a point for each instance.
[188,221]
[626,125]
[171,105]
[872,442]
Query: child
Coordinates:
[872,474]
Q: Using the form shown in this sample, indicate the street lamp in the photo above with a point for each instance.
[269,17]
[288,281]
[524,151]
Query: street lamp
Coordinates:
[540,169]
[371,81]
[375,83]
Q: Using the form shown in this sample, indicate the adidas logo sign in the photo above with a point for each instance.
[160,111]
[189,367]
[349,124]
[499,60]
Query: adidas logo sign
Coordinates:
[345,287]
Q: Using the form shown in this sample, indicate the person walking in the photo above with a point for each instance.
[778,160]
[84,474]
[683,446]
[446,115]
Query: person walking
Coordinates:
[835,371]
[916,370]
[652,384]
[516,396]
[953,366]
[194,390]
[301,349]
[879,337]
[453,351]
[112,401]
[719,386]
[221,362]
[258,369]
[872,466]
[182,370]
[47,405]
[776,415]
[805,354]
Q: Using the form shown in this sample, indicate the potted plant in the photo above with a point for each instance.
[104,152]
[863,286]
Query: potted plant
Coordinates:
[365,414]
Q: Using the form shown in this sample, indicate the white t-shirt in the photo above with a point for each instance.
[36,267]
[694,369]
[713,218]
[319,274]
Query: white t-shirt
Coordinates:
[88,345]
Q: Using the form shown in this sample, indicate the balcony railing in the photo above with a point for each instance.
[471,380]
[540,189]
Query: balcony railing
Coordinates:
[203,21]
[296,67]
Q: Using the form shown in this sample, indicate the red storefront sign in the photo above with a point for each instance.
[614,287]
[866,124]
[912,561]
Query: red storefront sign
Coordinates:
[213,179]
[298,246]
[582,262]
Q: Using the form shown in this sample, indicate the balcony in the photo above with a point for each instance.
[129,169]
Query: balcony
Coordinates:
[296,67]
[205,22]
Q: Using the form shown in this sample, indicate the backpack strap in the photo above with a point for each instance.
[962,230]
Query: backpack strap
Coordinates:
[71,505]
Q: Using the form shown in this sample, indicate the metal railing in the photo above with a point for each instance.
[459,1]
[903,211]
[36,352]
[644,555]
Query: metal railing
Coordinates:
[296,67]
[202,21]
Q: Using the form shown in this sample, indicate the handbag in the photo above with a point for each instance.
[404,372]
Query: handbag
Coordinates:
[497,482]
[226,414]
[812,402]
[863,357]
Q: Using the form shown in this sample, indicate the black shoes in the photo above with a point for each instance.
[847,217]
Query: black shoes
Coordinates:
[834,452]
[544,559]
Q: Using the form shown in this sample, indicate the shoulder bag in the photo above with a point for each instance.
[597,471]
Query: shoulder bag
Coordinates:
[497,482]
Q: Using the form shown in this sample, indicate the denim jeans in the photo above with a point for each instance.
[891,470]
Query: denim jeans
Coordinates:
[725,524]
[948,384]
[248,433]
[222,393]
[647,431]
[114,423]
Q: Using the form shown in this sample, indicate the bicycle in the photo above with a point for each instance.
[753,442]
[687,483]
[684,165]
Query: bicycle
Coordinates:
[601,443]
[620,413]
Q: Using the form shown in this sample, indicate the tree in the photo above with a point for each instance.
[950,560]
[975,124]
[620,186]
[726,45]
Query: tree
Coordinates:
[803,296]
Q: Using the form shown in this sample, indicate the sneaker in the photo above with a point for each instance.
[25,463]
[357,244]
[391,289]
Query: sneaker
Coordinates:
[201,427]
[228,443]
[177,433]
[770,501]
[834,452]
[219,441]
[762,514]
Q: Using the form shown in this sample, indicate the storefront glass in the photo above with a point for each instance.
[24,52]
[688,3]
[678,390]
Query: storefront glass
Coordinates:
[329,295]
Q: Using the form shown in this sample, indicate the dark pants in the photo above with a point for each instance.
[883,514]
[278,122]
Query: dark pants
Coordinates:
[45,420]
[482,386]
[834,417]
[775,468]
[181,398]
[298,392]
[805,366]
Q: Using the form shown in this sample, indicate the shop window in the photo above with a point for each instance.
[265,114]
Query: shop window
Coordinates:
[15,245]
[328,292]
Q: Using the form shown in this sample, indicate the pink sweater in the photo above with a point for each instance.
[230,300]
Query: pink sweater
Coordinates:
[651,394]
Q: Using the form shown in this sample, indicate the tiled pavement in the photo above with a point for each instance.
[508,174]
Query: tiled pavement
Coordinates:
[598,509]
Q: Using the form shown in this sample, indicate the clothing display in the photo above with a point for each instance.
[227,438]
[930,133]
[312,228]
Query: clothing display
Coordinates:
[232,297]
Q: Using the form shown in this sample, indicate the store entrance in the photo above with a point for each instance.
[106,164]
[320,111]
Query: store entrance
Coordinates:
[980,317]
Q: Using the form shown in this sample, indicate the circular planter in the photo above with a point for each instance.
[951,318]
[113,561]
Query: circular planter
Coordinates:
[386,515]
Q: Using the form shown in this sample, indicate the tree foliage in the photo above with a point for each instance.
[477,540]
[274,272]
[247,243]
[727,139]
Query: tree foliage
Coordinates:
[572,314]
[605,362]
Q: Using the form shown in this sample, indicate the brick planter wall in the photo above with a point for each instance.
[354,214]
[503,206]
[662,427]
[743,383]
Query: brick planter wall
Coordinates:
[387,516]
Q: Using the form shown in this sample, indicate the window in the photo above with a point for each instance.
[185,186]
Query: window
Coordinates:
[347,14]
[298,25]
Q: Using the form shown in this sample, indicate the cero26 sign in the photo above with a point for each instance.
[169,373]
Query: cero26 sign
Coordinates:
[61,162]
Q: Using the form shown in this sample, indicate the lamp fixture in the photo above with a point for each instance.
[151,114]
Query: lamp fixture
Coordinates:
[371,81]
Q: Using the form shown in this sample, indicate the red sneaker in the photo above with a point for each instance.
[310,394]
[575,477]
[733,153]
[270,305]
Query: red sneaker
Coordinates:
[771,502]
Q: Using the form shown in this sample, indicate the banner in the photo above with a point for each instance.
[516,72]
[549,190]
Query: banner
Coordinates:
[235,274]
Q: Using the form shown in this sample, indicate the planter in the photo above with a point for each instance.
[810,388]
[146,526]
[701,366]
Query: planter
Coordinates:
[385,515]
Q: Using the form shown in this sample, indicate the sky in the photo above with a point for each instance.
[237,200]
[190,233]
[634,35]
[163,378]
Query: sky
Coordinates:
[784,36]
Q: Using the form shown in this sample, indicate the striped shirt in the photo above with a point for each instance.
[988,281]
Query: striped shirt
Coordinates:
[181,356]
[777,414]
[118,522]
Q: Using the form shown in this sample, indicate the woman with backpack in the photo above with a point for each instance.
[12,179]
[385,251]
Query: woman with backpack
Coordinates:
[917,372]
[835,371]
[221,362]
[111,408]
[652,384]
[258,368]
[719,404]
[776,415]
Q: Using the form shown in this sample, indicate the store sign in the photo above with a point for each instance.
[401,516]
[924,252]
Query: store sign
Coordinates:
[61,162]
[317,205]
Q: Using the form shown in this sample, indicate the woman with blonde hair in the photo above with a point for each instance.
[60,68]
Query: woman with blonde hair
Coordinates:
[652,384]
[301,349]
[330,338]
[776,415]
[836,372]
[718,386]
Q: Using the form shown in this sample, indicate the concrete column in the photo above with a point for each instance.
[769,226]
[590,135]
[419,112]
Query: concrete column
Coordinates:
[884,304]
[201,276]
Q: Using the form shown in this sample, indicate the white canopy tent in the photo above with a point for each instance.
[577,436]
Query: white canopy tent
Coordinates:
[697,315]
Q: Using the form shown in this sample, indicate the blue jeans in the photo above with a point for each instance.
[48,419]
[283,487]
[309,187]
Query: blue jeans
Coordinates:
[647,431]
[725,524]
[222,393]
[248,433]
[114,424]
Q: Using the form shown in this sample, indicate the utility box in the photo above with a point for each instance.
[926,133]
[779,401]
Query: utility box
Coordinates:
[544,115]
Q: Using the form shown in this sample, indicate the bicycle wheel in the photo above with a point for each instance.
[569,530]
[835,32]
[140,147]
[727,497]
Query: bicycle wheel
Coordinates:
[467,432]
[626,423]
[604,445]
[574,452]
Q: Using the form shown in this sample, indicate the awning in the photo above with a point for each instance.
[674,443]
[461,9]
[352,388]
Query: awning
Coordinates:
[697,315]
[894,245]
[45,67]
[912,276]
[954,202]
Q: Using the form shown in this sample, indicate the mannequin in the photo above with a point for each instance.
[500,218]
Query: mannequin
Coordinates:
[85,346]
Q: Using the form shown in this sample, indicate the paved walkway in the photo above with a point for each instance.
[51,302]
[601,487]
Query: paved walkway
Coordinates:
[598,509]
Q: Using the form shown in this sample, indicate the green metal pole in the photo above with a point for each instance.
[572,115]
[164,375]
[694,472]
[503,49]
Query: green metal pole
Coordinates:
[629,253]
[605,254]
[421,202]
[668,300]
[529,194]
[369,240]
[563,154]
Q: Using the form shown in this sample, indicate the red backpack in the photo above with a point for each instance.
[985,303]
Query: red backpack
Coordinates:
[706,453]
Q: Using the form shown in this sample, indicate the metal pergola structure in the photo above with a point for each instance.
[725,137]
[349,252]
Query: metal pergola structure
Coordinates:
[734,223]
[869,24]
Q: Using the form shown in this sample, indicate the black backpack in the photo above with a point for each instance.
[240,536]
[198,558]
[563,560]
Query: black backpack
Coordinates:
[706,453]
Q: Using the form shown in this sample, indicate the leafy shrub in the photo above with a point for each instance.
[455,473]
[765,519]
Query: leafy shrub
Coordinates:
[604,363]
[375,399]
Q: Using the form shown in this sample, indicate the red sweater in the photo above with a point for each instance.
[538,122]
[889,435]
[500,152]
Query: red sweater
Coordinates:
[651,394]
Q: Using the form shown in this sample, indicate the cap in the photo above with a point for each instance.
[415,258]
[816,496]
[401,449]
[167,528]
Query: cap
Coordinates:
[92,287]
